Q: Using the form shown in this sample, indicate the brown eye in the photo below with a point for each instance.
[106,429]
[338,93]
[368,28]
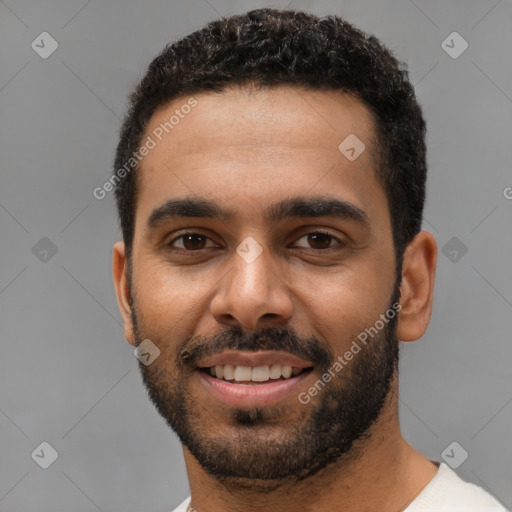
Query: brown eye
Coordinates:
[319,241]
[193,242]
[189,242]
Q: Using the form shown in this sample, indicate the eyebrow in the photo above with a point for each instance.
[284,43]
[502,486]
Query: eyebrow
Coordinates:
[320,206]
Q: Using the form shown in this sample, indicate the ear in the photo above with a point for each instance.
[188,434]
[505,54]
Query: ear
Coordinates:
[417,287]
[123,292]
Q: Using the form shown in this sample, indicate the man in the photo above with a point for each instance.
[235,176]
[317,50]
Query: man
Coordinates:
[270,181]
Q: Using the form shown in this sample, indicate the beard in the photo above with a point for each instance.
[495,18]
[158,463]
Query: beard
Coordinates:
[269,446]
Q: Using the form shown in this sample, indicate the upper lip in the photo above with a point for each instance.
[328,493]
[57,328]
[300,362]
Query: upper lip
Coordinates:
[262,358]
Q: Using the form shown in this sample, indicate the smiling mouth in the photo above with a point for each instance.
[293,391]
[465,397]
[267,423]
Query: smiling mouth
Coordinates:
[237,374]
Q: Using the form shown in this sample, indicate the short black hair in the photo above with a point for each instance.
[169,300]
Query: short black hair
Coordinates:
[269,47]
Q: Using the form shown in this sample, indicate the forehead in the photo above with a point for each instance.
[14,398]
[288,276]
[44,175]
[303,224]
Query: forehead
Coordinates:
[250,147]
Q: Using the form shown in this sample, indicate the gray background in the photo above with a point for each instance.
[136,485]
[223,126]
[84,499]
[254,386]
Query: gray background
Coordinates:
[67,375]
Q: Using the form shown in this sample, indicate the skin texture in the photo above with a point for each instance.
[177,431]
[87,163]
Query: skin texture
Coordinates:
[245,150]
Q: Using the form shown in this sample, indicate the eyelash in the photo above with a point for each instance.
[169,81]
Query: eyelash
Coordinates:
[169,245]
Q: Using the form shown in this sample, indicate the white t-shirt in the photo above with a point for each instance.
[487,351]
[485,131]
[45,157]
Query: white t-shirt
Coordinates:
[446,492]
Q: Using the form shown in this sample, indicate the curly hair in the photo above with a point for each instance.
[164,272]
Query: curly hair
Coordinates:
[270,47]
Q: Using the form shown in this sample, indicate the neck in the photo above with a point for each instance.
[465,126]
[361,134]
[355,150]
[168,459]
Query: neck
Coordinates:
[382,472]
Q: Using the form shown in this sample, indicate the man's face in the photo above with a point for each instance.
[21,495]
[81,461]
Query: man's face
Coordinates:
[253,294]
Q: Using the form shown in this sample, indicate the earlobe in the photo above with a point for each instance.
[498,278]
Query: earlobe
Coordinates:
[417,287]
[122,287]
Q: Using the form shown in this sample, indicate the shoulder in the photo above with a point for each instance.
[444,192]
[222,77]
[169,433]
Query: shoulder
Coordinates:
[447,492]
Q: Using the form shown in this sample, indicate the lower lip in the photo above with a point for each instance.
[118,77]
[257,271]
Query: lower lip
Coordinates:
[252,395]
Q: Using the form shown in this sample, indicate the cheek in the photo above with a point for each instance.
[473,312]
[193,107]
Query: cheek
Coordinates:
[169,301]
[341,305]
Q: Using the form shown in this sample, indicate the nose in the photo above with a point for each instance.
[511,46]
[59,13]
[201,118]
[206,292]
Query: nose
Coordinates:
[252,294]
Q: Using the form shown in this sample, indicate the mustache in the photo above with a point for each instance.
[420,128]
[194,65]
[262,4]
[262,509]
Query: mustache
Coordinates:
[269,338]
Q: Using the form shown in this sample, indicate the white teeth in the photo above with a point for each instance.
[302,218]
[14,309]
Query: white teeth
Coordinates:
[260,374]
[255,373]
[219,371]
[229,372]
[275,371]
[286,371]
[242,373]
